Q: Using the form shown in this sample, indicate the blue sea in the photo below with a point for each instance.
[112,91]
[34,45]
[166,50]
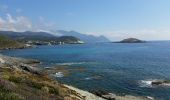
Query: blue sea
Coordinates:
[112,67]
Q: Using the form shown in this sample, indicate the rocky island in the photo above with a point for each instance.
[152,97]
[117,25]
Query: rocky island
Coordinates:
[131,40]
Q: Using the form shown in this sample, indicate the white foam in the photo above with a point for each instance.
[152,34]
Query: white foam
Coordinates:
[71,63]
[146,83]
[88,78]
[59,74]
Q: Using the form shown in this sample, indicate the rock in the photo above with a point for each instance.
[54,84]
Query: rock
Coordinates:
[161,82]
[109,96]
[30,69]
[157,83]
[104,94]
[2,61]
[99,92]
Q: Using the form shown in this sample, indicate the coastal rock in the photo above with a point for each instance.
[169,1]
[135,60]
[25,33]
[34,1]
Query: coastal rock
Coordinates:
[2,61]
[154,82]
[30,69]
[86,95]
[161,82]
[109,96]
[112,96]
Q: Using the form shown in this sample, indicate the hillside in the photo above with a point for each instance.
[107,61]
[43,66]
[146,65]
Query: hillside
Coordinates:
[6,43]
[39,37]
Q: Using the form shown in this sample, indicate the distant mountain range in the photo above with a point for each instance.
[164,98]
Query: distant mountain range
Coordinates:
[45,36]
[83,37]
[39,37]
[27,35]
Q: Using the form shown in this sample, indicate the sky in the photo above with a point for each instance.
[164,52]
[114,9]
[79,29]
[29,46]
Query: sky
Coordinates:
[115,19]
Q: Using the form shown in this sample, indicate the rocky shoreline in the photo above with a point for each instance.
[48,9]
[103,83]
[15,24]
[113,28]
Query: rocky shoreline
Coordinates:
[26,75]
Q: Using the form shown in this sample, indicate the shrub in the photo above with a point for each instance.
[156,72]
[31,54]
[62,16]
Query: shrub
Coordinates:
[6,77]
[7,95]
[15,79]
[53,91]
[45,89]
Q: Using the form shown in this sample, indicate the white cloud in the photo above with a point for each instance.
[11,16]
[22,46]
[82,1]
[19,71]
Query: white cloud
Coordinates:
[22,23]
[19,23]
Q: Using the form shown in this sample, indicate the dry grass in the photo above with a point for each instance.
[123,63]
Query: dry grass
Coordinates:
[18,85]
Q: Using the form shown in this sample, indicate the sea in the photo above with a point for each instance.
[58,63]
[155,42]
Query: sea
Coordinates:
[121,68]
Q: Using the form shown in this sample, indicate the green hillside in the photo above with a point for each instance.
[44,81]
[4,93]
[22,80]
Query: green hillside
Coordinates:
[6,43]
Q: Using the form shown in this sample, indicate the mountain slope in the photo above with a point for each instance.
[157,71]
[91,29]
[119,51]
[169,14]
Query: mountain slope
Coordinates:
[6,43]
[27,35]
[39,36]
[83,37]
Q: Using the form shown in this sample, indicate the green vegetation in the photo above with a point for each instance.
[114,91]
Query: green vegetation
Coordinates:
[8,95]
[6,43]
[17,84]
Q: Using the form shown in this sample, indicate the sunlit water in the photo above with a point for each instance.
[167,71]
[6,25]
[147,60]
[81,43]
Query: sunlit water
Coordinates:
[113,67]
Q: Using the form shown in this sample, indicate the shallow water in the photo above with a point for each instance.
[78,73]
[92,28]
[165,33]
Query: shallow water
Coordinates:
[114,67]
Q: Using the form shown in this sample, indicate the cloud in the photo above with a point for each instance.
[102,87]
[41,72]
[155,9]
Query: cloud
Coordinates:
[22,23]
[19,23]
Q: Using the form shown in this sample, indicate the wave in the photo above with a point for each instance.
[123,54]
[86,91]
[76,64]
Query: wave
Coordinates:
[93,77]
[71,63]
[146,83]
[59,74]
[88,78]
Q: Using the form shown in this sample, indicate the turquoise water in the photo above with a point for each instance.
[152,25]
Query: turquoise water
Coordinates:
[113,67]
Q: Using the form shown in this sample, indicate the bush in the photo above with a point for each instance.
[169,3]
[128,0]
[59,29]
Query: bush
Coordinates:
[15,79]
[53,91]
[45,89]
[7,95]
[6,77]
[35,84]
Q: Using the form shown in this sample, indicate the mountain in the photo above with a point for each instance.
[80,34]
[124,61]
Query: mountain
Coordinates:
[39,37]
[131,40]
[27,35]
[83,37]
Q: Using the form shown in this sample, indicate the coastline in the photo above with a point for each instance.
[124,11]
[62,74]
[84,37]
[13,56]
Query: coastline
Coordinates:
[26,66]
